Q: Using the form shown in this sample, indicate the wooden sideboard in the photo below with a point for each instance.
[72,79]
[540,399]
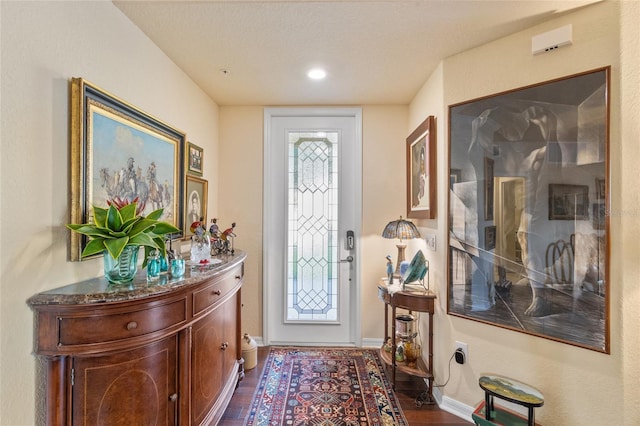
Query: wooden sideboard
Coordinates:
[161,353]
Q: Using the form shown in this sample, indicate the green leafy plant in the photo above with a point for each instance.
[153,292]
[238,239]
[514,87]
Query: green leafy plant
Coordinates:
[122,224]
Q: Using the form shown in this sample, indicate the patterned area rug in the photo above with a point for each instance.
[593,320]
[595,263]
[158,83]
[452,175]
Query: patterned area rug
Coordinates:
[324,387]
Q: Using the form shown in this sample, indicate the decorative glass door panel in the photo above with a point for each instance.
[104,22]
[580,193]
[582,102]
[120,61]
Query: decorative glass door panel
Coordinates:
[312,247]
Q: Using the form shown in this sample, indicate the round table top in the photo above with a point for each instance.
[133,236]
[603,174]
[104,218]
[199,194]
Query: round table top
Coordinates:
[511,390]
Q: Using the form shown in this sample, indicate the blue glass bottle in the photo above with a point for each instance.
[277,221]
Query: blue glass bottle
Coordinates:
[164,265]
[153,266]
[177,266]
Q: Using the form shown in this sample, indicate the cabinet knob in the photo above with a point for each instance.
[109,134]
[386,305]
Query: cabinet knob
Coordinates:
[224,346]
[216,292]
[132,325]
[173,397]
[238,277]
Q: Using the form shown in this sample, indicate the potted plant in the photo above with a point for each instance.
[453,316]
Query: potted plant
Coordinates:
[119,231]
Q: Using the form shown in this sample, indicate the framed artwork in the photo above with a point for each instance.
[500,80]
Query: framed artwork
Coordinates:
[194,159]
[533,158]
[421,171]
[117,150]
[489,237]
[568,202]
[195,208]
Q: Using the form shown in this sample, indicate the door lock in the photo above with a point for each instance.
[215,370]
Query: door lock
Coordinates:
[349,259]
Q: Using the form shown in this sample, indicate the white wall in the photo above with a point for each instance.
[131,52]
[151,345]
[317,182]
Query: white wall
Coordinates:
[580,386]
[43,45]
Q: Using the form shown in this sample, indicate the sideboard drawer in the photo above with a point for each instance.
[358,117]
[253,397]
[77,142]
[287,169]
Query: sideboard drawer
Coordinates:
[101,328]
[215,292]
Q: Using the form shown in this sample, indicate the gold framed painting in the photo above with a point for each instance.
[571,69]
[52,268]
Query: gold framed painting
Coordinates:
[119,151]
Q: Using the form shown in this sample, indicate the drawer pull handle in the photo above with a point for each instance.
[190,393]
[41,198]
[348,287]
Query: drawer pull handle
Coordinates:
[224,346]
[173,397]
[216,292]
[132,325]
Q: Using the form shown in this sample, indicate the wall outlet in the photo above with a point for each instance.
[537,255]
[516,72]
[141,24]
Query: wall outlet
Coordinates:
[461,347]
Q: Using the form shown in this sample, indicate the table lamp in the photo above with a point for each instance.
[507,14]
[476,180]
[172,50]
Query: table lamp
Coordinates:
[403,230]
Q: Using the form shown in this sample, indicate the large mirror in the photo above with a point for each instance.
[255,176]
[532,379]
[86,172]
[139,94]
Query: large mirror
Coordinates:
[528,229]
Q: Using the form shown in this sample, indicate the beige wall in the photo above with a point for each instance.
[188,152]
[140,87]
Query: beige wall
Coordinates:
[43,45]
[580,386]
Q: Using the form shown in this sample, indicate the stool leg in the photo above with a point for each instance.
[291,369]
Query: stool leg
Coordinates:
[532,419]
[488,405]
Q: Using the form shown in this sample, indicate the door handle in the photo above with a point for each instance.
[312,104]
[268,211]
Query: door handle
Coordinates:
[349,259]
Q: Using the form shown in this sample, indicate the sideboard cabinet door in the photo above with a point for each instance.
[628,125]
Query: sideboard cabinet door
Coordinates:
[214,361]
[135,387]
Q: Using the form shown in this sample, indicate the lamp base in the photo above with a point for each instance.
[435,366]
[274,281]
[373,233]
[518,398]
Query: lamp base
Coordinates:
[401,248]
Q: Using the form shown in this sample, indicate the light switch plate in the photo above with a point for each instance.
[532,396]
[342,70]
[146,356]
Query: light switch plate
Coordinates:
[430,239]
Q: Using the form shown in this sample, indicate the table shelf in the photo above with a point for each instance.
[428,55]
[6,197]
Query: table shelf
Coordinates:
[419,370]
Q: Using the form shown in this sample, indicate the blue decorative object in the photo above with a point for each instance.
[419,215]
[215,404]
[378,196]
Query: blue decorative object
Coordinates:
[404,265]
[124,268]
[418,268]
[177,267]
[153,266]
[164,265]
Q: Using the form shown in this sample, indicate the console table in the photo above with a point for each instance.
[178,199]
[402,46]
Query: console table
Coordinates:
[165,352]
[416,299]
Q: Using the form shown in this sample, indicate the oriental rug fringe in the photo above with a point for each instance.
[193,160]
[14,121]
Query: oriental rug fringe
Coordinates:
[324,387]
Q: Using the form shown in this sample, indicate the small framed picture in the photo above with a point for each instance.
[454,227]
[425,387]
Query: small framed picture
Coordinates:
[421,171]
[195,209]
[489,237]
[568,202]
[194,159]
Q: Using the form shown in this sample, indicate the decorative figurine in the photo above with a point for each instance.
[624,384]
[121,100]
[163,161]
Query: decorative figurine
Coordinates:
[200,242]
[214,229]
[222,243]
[389,269]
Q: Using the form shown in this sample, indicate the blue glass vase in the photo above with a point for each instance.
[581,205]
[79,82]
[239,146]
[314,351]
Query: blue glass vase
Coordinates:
[124,268]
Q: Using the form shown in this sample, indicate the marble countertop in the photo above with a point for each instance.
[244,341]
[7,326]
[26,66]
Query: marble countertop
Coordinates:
[99,290]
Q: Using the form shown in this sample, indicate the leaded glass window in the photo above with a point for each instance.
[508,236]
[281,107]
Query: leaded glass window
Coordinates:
[312,247]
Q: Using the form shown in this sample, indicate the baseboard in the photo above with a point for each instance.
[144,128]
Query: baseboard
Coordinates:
[372,343]
[366,343]
[454,407]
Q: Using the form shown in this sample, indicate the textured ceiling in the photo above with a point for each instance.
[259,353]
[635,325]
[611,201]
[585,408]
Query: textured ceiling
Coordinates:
[375,52]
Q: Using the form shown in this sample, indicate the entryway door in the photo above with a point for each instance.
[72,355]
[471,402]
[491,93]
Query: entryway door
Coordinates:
[312,220]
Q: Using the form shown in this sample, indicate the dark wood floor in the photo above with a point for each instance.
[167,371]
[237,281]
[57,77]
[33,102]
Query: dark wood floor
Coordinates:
[407,389]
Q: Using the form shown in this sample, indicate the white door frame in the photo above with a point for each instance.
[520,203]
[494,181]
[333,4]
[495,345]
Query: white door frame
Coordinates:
[270,243]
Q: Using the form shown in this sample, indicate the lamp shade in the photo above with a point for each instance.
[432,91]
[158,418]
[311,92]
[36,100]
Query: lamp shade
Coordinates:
[401,229]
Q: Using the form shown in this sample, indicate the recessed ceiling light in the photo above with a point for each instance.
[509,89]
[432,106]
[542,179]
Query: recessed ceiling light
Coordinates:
[317,74]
